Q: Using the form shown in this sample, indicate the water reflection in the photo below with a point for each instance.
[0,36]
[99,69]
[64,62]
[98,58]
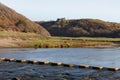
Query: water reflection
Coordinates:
[109,57]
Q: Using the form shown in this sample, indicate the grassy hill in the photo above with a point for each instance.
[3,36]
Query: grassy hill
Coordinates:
[10,20]
[82,28]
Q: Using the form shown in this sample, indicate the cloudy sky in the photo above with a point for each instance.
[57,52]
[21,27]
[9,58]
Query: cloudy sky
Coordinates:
[107,10]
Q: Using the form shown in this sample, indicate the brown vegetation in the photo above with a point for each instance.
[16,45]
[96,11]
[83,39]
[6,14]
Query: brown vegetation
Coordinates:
[12,21]
[82,28]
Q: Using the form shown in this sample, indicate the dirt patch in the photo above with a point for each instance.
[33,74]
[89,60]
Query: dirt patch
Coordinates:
[9,42]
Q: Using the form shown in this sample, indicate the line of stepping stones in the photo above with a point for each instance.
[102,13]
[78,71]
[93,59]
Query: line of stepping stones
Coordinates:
[59,64]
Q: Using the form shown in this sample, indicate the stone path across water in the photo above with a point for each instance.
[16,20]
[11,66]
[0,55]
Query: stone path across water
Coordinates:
[24,71]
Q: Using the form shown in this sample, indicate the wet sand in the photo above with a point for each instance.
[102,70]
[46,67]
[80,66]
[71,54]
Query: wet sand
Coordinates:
[25,71]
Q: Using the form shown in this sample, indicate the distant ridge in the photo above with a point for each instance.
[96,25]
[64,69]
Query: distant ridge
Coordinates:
[81,28]
[10,20]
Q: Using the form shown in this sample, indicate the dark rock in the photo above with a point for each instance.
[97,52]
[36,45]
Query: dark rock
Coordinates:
[16,78]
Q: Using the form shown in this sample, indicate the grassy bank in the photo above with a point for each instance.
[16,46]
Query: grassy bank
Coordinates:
[70,42]
[19,35]
[19,39]
[13,38]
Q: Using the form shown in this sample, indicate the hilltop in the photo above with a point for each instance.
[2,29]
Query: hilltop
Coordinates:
[16,29]
[81,28]
[10,20]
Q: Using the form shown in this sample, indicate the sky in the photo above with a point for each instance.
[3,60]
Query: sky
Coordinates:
[43,10]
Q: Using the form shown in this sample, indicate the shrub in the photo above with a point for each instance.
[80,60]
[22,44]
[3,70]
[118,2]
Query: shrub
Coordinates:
[21,22]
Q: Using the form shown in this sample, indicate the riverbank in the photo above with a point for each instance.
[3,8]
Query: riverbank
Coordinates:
[57,42]
[12,39]
[24,71]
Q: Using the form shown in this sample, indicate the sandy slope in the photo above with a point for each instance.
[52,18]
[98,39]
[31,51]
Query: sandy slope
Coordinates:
[8,43]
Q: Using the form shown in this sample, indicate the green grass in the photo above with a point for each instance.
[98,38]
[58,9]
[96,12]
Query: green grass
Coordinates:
[34,40]
[88,38]
[53,42]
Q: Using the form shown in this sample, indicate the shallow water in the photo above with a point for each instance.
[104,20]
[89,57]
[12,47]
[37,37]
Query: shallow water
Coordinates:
[108,57]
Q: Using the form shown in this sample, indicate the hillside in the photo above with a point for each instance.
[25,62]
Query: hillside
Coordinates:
[82,28]
[10,20]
